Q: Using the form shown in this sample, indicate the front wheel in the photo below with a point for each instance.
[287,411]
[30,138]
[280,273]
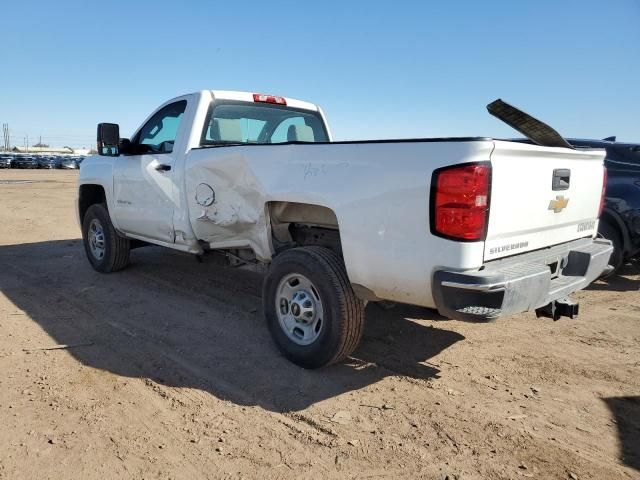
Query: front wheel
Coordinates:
[312,312]
[106,250]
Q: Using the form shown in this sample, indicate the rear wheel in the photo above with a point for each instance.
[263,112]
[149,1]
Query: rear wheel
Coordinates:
[106,250]
[607,231]
[312,312]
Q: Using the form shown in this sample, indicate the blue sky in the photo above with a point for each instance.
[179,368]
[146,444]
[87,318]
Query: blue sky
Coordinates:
[379,69]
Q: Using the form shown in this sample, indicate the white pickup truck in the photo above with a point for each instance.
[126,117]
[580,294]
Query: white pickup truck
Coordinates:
[477,228]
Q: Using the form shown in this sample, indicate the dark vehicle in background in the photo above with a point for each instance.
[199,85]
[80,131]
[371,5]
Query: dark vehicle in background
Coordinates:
[620,220]
[48,162]
[40,161]
[69,163]
[25,162]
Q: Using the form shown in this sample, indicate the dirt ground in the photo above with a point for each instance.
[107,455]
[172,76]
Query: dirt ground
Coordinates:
[171,373]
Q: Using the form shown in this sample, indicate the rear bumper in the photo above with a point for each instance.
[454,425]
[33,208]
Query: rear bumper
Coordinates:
[522,282]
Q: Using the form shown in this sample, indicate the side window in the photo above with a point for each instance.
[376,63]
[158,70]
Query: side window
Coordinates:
[160,132]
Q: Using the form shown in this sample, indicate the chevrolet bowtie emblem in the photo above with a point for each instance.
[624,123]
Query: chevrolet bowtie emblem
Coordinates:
[559,204]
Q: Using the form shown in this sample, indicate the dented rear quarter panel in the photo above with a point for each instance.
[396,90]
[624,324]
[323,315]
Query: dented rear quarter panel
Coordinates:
[379,193]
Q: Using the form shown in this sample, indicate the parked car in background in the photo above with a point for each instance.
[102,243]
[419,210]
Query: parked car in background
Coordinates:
[620,220]
[69,163]
[48,162]
[6,162]
[25,162]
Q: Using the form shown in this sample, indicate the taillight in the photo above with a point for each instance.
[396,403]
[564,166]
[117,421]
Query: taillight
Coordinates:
[261,98]
[460,201]
[604,190]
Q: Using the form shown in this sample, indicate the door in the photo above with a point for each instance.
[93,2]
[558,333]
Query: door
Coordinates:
[143,183]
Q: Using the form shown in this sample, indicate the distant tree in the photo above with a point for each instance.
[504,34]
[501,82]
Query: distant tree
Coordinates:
[41,145]
[93,151]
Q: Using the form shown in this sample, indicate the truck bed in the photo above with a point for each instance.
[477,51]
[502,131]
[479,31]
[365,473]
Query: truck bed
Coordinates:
[379,191]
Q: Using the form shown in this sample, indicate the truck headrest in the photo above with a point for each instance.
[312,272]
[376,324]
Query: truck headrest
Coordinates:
[226,130]
[300,133]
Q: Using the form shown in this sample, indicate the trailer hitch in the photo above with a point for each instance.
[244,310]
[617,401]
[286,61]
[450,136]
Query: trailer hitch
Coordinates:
[563,307]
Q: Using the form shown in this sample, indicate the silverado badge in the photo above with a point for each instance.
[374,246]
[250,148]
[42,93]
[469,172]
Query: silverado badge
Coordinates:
[558,204]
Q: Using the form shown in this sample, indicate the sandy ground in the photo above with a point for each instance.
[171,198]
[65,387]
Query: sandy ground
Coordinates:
[172,374]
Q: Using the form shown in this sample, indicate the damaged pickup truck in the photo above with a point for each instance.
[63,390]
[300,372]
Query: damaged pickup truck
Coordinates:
[477,228]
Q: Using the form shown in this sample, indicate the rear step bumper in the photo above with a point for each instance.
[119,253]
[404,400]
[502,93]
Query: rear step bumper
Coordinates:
[520,283]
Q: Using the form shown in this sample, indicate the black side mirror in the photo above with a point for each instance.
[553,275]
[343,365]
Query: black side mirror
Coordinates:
[108,139]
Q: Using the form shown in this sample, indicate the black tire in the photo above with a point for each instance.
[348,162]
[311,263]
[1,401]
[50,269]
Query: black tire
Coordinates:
[607,231]
[343,320]
[116,248]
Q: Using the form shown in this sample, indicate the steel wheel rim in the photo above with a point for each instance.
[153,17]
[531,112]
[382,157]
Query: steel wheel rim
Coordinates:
[299,309]
[96,239]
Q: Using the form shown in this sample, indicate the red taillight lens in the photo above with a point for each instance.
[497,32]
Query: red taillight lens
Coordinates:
[261,98]
[604,190]
[460,201]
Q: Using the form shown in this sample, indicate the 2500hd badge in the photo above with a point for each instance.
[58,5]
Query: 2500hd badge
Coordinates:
[586,226]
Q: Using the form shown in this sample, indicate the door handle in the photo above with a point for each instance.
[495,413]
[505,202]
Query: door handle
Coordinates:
[163,167]
[561,179]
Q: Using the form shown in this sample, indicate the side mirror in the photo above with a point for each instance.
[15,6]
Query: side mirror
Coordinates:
[108,139]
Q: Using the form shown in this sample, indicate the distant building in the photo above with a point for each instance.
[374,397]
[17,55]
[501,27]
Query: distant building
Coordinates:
[78,151]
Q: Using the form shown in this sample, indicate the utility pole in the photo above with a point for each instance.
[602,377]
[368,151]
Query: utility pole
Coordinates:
[7,139]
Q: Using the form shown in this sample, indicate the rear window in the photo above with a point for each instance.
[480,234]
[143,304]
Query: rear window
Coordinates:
[244,122]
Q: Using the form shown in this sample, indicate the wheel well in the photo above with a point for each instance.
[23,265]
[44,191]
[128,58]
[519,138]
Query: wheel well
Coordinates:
[616,222]
[297,224]
[89,195]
